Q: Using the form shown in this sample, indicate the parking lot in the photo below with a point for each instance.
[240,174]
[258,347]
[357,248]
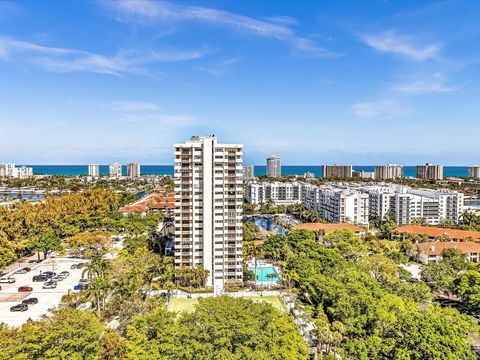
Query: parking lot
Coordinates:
[47,298]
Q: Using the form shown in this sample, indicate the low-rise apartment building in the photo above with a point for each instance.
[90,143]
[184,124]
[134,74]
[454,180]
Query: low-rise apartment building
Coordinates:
[429,252]
[279,192]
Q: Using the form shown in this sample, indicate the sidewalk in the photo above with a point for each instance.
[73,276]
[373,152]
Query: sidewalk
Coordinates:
[22,262]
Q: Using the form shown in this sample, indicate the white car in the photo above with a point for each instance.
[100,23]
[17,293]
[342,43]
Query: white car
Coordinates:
[7,280]
[49,285]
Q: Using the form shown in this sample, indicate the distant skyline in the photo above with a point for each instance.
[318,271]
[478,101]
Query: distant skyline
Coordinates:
[312,82]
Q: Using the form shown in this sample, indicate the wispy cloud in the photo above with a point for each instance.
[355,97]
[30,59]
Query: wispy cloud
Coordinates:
[436,84]
[220,68]
[387,108]
[146,11]
[8,8]
[132,106]
[68,60]
[390,42]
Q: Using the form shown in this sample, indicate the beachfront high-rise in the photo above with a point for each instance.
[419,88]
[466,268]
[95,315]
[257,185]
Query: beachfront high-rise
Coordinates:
[474,172]
[337,171]
[390,171]
[93,170]
[115,170]
[248,172]
[274,166]
[208,213]
[429,171]
[133,169]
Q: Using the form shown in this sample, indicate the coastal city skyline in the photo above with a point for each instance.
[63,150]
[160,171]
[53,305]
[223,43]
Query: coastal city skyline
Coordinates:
[375,82]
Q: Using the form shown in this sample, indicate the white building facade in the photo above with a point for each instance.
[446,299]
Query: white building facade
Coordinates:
[274,166]
[93,170]
[115,170]
[279,192]
[133,169]
[209,207]
[11,171]
[474,172]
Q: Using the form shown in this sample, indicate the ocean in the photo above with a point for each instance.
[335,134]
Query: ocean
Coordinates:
[72,170]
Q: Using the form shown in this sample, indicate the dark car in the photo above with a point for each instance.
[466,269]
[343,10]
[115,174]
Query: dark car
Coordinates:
[40,278]
[79,287]
[30,301]
[49,273]
[74,266]
[19,307]
[25,289]
[80,265]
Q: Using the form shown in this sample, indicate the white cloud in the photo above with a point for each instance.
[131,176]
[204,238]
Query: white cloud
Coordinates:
[437,84]
[389,42]
[68,60]
[379,109]
[132,106]
[145,10]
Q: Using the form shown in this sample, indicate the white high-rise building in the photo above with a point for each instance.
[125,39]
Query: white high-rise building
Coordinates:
[133,169]
[248,172]
[274,166]
[390,171]
[208,213]
[115,170]
[24,172]
[474,172]
[8,170]
[93,170]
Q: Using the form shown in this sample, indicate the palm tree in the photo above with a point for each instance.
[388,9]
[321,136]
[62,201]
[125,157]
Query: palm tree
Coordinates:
[289,276]
[97,291]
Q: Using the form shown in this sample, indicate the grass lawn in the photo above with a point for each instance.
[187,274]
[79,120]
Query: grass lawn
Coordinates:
[188,305]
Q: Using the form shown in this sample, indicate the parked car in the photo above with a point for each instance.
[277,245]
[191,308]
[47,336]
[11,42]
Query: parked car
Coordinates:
[65,273]
[7,280]
[25,289]
[79,287]
[57,278]
[22,270]
[40,278]
[80,265]
[84,281]
[49,285]
[30,301]
[73,266]
[49,273]
[19,307]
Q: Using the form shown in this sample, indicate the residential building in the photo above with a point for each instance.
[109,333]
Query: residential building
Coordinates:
[329,228]
[363,174]
[474,172]
[279,192]
[274,166]
[153,202]
[115,170]
[337,171]
[208,213]
[404,204]
[429,171]
[24,172]
[93,170]
[11,171]
[337,203]
[248,172]
[133,169]
[429,252]
[387,172]
[433,233]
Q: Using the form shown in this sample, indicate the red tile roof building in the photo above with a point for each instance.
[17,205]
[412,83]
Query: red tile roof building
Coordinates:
[151,203]
[432,251]
[436,232]
[329,227]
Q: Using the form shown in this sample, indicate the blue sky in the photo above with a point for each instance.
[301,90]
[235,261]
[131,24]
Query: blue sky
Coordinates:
[313,82]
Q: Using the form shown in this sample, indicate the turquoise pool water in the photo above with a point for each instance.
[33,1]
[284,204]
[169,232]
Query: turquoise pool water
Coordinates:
[263,272]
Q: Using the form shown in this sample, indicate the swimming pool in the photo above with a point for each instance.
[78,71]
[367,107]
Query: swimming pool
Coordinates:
[264,272]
